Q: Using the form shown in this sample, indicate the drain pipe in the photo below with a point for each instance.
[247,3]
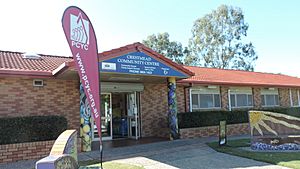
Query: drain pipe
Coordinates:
[229,100]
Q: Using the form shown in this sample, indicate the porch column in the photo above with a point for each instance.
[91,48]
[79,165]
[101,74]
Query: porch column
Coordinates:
[172,105]
[85,122]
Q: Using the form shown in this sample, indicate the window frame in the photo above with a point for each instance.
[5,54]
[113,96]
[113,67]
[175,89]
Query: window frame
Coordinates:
[269,91]
[265,100]
[236,102]
[205,91]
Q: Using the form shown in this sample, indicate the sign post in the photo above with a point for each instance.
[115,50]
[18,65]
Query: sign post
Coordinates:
[222,133]
[81,38]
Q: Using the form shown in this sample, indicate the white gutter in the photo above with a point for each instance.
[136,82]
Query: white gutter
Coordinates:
[190,93]
[59,68]
[298,98]
[291,98]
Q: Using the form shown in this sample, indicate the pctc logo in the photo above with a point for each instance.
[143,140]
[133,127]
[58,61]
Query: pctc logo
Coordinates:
[79,30]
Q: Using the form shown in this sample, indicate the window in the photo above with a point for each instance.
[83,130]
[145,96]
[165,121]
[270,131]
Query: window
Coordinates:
[205,98]
[241,100]
[269,100]
[241,97]
[269,97]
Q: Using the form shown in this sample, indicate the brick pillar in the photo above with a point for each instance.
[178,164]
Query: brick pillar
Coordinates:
[256,97]
[284,97]
[187,99]
[295,97]
[172,104]
[224,97]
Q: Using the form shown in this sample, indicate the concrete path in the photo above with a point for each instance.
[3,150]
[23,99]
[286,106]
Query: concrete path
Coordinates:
[187,154]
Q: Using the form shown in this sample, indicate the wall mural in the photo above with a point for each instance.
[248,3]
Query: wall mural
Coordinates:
[274,131]
[172,103]
[85,122]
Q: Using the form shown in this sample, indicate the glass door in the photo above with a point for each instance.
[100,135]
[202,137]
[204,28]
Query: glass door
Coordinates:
[133,117]
[106,118]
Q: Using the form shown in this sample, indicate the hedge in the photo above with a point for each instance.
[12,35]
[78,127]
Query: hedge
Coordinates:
[213,118]
[31,128]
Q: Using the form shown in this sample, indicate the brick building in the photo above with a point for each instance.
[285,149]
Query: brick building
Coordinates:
[134,90]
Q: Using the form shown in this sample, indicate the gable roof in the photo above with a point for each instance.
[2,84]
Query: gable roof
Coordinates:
[13,63]
[239,78]
[139,47]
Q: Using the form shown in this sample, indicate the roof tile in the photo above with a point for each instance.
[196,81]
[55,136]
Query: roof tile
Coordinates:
[239,77]
[15,61]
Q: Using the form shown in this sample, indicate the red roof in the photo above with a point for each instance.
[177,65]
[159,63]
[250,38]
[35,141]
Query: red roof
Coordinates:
[14,63]
[239,78]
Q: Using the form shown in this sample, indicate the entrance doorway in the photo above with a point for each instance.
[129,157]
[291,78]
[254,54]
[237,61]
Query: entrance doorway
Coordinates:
[119,116]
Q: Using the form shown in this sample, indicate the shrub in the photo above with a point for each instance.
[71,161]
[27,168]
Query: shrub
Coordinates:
[31,128]
[213,118]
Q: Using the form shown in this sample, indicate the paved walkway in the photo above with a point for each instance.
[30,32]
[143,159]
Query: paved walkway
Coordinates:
[187,154]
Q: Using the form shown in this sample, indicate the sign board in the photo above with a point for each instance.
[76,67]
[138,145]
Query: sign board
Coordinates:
[138,63]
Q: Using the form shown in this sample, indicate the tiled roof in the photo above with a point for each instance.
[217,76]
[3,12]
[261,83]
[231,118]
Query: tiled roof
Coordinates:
[13,62]
[239,78]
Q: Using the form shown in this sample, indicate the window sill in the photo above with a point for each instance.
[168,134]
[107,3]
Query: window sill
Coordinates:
[214,108]
[271,106]
[242,108]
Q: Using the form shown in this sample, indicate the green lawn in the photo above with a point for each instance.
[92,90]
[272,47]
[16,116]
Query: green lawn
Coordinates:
[287,159]
[94,164]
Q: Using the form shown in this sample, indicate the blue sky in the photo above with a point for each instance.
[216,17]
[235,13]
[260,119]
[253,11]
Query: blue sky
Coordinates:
[35,26]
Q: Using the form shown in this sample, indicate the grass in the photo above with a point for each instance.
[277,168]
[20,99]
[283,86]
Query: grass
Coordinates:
[94,164]
[287,159]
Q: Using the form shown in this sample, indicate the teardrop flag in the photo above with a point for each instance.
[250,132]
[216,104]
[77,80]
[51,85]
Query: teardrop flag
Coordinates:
[83,44]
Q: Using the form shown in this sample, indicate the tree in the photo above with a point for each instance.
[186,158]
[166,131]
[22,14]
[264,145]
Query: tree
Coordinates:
[162,44]
[217,41]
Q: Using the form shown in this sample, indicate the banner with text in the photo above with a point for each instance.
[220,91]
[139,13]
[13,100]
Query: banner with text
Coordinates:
[83,44]
[138,63]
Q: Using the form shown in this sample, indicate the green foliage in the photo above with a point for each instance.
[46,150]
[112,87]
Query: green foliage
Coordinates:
[217,41]
[213,118]
[162,44]
[31,128]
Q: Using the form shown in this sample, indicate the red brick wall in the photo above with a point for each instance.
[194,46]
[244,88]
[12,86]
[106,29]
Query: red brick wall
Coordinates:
[295,97]
[24,151]
[154,110]
[224,97]
[284,97]
[232,129]
[181,99]
[256,97]
[27,151]
[57,97]
[187,101]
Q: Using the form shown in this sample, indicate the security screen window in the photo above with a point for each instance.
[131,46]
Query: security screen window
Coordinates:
[205,98]
[241,97]
[241,100]
[269,97]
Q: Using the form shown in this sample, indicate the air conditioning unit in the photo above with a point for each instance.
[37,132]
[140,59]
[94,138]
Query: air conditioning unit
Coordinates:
[211,87]
[38,83]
